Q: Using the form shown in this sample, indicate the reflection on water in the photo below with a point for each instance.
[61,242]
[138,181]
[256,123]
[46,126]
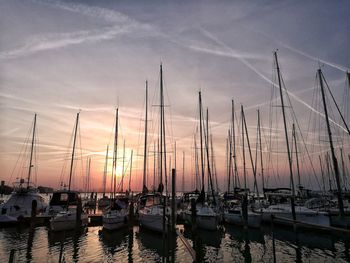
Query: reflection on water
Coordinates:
[206,243]
[231,244]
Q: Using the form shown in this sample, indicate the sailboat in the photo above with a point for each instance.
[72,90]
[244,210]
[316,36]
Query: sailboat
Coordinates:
[66,205]
[340,218]
[104,201]
[240,213]
[152,206]
[206,216]
[90,200]
[25,195]
[292,211]
[116,215]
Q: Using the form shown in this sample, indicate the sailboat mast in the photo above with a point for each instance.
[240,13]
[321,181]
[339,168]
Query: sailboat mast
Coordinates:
[329,172]
[235,175]
[343,168]
[286,137]
[105,172]
[213,165]
[201,140]
[73,152]
[183,171]
[210,179]
[296,155]
[196,163]
[250,154]
[334,158]
[260,147]
[322,173]
[245,196]
[88,175]
[123,171]
[31,152]
[162,135]
[144,187]
[130,171]
[115,154]
[160,188]
[243,149]
[229,161]
[154,166]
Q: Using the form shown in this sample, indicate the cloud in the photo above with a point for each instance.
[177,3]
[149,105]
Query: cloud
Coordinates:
[86,109]
[120,24]
[108,15]
[40,43]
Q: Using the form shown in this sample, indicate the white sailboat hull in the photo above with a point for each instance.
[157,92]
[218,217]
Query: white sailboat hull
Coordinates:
[206,218]
[254,219]
[302,214]
[67,221]
[152,222]
[114,221]
[208,222]
[19,206]
[152,218]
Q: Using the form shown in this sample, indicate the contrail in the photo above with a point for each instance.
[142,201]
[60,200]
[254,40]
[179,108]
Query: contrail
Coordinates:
[245,62]
[120,24]
[341,68]
[331,64]
[108,15]
[55,41]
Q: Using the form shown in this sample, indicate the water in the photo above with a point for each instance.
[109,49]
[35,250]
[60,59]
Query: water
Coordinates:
[230,244]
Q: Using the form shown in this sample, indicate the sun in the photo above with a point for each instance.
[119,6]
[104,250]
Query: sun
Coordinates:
[118,170]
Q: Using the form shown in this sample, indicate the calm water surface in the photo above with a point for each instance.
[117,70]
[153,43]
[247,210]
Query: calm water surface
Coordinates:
[230,244]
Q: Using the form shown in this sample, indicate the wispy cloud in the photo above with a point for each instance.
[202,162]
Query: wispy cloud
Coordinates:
[120,24]
[16,98]
[108,15]
[55,41]
[87,109]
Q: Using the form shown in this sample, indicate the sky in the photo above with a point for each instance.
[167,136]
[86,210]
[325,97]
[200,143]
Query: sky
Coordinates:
[61,57]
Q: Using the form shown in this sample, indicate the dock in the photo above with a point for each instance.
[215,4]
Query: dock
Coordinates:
[313,227]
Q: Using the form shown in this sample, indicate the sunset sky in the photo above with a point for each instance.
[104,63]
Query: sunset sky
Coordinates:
[59,57]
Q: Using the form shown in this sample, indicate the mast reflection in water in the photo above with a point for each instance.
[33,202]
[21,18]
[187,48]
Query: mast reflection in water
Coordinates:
[230,244]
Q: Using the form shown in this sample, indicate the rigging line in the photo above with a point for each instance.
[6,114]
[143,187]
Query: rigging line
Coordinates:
[81,157]
[21,152]
[36,150]
[336,105]
[261,75]
[65,160]
[302,137]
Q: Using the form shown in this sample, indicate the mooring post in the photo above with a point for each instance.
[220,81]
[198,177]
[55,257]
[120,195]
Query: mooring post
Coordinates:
[273,240]
[79,211]
[193,214]
[245,211]
[33,213]
[12,256]
[131,210]
[173,199]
